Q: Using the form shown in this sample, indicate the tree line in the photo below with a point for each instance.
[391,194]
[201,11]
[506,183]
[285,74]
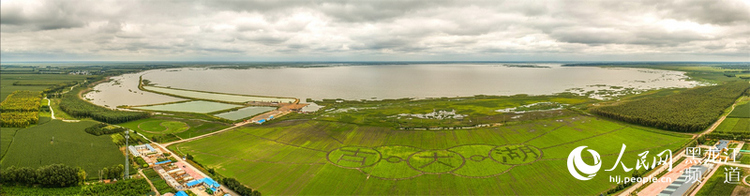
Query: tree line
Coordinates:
[237,187]
[113,172]
[103,129]
[687,111]
[77,107]
[55,175]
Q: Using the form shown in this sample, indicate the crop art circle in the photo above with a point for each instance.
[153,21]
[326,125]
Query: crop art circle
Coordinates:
[404,162]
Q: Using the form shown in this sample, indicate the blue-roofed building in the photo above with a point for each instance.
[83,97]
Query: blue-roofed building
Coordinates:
[163,162]
[193,183]
[207,182]
[181,193]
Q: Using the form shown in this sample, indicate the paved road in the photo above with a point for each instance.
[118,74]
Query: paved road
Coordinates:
[652,175]
[656,187]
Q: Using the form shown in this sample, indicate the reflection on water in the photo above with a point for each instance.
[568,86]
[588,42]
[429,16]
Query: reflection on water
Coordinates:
[414,81]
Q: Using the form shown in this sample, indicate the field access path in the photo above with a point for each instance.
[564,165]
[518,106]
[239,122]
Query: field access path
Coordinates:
[52,112]
[153,188]
[208,134]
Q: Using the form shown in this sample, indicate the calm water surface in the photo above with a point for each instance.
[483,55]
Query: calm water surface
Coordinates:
[402,81]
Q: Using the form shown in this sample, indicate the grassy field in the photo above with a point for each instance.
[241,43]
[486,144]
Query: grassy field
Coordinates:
[468,111]
[59,113]
[309,157]
[40,82]
[171,129]
[35,146]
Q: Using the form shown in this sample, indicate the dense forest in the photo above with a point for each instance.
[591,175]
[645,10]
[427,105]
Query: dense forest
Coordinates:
[82,109]
[688,111]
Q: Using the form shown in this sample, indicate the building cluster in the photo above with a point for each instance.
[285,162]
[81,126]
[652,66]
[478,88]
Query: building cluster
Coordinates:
[690,179]
[176,174]
[79,73]
[151,155]
[722,152]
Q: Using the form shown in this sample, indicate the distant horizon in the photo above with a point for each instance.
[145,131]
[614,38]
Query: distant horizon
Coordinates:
[394,61]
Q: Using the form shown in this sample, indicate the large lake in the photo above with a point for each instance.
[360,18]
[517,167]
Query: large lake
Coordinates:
[389,81]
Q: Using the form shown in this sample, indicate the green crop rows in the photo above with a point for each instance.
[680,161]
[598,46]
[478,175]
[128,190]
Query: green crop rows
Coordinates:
[62,142]
[309,157]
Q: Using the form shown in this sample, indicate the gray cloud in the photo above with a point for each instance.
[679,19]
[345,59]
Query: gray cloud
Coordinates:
[46,15]
[371,30]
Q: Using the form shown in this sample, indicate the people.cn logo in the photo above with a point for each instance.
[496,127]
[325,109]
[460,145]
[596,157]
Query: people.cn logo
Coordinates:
[577,167]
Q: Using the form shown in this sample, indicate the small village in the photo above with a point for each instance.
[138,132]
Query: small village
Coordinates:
[176,172]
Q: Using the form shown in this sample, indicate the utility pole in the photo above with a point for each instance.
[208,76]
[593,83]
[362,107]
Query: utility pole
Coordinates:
[127,167]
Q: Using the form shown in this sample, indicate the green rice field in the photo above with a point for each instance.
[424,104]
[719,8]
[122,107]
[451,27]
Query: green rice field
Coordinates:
[216,96]
[62,142]
[740,111]
[310,157]
[737,125]
[244,112]
[6,138]
[191,106]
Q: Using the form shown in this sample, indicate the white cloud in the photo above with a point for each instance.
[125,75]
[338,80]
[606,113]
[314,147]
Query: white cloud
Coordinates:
[375,30]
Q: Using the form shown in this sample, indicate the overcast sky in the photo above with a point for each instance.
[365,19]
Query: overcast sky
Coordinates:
[516,30]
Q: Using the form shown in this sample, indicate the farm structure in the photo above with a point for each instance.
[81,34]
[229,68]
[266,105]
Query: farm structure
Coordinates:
[151,155]
[207,183]
[684,183]
[721,151]
[143,149]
